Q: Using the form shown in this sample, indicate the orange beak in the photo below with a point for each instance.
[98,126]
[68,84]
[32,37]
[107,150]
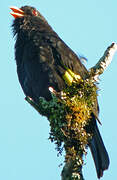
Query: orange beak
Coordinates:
[17,12]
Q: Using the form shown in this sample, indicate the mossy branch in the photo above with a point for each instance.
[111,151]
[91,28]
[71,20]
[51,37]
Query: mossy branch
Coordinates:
[70,115]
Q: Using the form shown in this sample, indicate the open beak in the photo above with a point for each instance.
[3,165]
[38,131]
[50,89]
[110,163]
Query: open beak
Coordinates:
[16,12]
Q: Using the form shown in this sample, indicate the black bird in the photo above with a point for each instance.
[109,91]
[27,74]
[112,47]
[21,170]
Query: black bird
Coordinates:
[42,60]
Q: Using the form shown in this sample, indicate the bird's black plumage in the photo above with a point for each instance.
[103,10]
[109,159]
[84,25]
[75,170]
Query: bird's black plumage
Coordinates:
[41,57]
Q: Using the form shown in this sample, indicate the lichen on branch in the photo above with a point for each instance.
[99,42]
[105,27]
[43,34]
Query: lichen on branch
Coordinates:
[104,62]
[69,117]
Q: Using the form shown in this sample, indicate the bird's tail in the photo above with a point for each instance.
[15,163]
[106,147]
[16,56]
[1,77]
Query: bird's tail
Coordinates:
[99,153]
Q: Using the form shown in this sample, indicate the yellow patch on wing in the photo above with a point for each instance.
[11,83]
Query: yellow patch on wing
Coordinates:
[70,77]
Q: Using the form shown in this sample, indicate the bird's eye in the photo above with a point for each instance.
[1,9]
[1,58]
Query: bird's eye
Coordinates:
[34,12]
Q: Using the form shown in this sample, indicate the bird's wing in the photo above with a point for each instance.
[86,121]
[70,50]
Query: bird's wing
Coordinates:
[66,56]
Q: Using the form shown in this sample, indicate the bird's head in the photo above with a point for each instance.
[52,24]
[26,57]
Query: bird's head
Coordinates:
[25,11]
[26,17]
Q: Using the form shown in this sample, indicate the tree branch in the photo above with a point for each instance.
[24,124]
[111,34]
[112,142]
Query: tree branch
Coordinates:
[104,61]
[69,113]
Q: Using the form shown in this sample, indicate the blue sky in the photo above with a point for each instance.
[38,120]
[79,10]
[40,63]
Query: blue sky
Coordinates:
[88,27]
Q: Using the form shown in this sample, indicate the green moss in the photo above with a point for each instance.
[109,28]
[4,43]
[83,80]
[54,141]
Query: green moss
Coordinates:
[69,116]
